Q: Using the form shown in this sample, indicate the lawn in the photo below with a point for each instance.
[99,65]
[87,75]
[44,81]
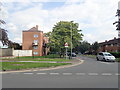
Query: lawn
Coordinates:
[27,65]
[91,56]
[37,59]
[46,56]
[118,59]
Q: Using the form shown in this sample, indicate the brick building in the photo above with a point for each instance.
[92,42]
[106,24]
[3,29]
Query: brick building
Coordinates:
[110,46]
[33,39]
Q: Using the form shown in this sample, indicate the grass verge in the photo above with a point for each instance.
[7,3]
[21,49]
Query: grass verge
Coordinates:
[6,66]
[37,59]
[46,56]
[118,59]
[91,56]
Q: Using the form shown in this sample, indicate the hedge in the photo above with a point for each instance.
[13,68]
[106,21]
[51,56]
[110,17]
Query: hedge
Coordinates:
[116,54]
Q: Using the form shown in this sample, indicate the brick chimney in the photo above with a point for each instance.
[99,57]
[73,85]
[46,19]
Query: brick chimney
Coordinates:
[114,37]
[37,27]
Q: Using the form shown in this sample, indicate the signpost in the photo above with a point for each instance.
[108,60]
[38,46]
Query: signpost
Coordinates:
[66,46]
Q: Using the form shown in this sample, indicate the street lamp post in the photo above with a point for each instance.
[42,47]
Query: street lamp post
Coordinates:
[71,39]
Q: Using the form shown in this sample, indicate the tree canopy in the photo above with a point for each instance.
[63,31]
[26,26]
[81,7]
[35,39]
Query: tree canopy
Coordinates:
[84,46]
[3,35]
[61,33]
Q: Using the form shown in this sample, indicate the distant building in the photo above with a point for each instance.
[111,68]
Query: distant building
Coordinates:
[33,39]
[110,46]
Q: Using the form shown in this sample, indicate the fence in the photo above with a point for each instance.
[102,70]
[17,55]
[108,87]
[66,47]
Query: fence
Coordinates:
[4,52]
[22,52]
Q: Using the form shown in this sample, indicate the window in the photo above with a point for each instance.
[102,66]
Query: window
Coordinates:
[35,41]
[106,45]
[101,54]
[111,44]
[35,53]
[35,47]
[35,35]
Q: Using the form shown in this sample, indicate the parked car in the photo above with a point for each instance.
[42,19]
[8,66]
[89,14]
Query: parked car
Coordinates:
[105,56]
[73,54]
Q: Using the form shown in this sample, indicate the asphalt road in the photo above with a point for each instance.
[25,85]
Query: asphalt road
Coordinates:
[90,74]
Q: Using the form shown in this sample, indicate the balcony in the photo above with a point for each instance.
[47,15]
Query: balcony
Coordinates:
[35,44]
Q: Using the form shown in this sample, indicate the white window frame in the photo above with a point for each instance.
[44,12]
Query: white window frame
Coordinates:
[35,41]
[35,35]
[35,47]
[35,53]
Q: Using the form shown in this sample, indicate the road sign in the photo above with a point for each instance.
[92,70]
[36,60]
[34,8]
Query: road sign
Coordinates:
[66,44]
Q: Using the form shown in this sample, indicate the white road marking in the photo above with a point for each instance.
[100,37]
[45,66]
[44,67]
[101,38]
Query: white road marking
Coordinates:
[107,62]
[117,74]
[42,73]
[54,73]
[106,74]
[34,70]
[27,73]
[67,73]
[14,73]
[80,73]
[92,73]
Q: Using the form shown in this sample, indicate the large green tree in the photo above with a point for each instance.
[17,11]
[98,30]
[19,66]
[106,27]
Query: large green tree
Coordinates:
[61,33]
[95,47]
[84,46]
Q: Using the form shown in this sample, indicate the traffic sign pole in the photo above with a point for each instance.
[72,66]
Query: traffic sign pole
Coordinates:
[66,46]
[66,53]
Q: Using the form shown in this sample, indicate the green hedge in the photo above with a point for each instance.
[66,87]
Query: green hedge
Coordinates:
[116,54]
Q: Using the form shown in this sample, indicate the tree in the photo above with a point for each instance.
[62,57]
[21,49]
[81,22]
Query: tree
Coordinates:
[95,47]
[3,34]
[61,33]
[84,46]
[118,22]
[15,45]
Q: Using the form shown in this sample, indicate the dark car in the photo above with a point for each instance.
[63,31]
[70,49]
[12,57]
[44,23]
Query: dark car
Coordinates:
[73,54]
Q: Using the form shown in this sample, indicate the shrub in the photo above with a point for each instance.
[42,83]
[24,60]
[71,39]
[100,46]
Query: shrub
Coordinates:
[116,54]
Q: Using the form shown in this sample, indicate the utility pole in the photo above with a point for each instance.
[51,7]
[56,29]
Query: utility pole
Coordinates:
[71,38]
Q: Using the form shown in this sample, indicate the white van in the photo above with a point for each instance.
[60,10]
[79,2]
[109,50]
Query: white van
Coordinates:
[105,56]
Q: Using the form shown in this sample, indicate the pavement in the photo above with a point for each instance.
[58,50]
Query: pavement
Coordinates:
[89,74]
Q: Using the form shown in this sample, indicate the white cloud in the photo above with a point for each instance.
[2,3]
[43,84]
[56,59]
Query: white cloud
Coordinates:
[95,17]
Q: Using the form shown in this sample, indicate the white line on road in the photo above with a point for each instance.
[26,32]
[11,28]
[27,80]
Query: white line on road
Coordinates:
[67,73]
[80,73]
[27,73]
[54,73]
[106,74]
[14,73]
[117,74]
[92,73]
[42,73]
[34,70]
[107,63]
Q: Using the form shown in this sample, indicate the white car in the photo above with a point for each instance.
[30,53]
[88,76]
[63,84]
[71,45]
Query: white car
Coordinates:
[105,56]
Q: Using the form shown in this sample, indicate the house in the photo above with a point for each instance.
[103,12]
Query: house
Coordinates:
[110,46]
[34,39]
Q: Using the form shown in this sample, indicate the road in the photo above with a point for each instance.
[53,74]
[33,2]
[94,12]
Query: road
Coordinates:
[90,74]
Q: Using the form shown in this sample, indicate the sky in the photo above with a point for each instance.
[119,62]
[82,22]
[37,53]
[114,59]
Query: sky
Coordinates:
[95,17]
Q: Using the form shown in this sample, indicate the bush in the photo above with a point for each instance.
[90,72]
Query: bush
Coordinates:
[116,54]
